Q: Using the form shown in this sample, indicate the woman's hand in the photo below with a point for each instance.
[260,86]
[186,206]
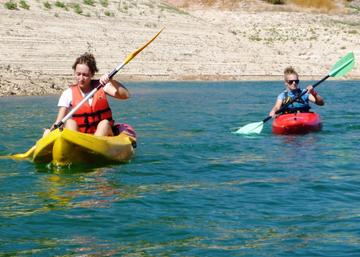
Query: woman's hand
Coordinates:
[104,79]
[311,90]
[314,97]
[272,113]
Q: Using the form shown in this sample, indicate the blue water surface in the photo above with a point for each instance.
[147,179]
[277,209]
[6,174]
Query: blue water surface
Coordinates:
[193,187]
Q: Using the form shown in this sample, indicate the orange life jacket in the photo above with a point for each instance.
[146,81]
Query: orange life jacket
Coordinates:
[88,116]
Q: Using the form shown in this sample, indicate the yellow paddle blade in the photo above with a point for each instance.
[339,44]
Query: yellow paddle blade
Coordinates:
[252,128]
[132,55]
[25,155]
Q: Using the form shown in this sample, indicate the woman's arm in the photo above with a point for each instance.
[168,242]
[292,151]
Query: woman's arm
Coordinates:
[114,88]
[61,114]
[276,107]
[314,96]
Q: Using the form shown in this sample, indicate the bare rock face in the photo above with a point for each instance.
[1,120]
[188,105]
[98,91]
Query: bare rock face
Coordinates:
[251,40]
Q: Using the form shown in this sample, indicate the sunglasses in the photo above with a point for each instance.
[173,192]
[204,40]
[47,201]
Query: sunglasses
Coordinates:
[290,81]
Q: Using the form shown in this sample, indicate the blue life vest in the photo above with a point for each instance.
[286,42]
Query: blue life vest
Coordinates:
[299,105]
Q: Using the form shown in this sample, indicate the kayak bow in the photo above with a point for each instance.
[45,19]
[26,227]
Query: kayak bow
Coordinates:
[297,123]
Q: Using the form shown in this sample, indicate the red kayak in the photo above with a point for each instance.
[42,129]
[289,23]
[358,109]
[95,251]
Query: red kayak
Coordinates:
[296,123]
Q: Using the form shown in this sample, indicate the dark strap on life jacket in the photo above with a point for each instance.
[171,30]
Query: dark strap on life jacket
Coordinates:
[88,125]
[86,116]
[288,98]
[93,114]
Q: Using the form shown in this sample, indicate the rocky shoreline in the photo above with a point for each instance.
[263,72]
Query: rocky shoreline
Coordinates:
[39,45]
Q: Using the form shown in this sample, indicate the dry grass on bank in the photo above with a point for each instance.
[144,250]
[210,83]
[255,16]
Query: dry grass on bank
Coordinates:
[317,4]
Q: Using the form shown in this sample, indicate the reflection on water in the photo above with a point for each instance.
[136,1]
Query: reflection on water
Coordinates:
[63,188]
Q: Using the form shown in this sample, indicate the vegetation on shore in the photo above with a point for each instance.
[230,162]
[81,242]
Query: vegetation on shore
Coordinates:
[80,7]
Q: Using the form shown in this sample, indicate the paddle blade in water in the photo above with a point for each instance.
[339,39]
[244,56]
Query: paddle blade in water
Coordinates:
[252,128]
[343,66]
[26,155]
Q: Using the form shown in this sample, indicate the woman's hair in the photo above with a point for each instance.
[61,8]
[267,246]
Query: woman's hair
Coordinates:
[289,70]
[87,59]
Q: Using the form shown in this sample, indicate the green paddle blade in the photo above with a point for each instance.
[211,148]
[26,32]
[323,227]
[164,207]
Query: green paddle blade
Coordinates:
[343,66]
[252,128]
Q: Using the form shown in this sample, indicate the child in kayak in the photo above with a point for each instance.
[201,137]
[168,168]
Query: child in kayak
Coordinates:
[291,79]
[94,116]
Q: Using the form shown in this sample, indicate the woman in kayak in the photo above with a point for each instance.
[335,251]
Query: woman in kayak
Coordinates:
[291,79]
[94,116]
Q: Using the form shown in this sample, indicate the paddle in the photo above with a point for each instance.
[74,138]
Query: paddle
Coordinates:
[343,66]
[111,74]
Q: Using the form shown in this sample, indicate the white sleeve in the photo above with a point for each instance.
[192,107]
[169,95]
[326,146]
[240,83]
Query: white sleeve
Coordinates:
[65,98]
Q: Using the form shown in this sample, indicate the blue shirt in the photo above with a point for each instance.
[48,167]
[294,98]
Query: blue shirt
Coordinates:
[301,104]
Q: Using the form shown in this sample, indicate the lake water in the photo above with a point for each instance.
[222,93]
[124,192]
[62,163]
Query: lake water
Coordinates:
[193,187]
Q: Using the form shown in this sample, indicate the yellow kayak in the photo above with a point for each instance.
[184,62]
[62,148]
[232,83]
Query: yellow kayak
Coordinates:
[63,147]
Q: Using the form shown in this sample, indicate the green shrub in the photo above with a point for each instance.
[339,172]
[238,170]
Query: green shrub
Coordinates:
[77,9]
[275,1]
[10,5]
[24,5]
[89,2]
[110,14]
[104,3]
[47,5]
[60,4]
